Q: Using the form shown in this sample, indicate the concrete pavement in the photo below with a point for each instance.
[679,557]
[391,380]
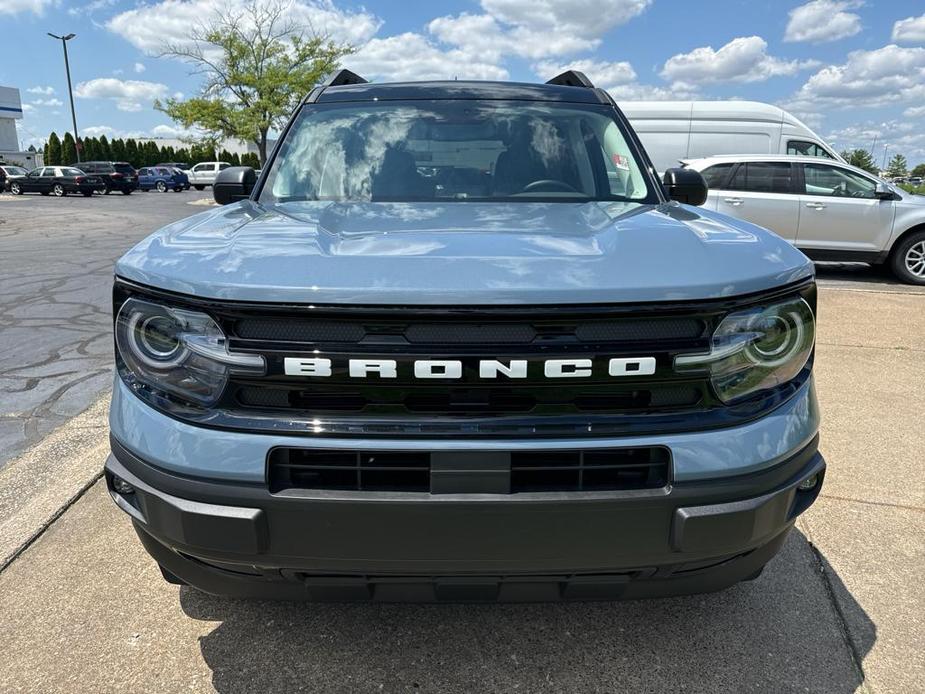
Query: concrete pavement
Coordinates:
[82,608]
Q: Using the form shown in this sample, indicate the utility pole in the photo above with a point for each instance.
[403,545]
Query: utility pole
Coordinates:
[886,148]
[70,91]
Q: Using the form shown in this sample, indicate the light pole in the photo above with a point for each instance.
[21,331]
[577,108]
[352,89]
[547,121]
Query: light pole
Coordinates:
[70,92]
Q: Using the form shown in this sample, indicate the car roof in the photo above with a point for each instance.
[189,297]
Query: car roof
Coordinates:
[522,91]
[702,162]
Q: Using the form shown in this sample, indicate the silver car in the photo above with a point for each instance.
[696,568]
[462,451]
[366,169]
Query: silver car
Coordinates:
[827,209]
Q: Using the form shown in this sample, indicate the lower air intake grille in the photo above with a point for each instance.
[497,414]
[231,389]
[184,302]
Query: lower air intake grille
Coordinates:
[612,469]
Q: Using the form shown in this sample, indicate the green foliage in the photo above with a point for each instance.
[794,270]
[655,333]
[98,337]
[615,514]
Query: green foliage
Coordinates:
[53,150]
[131,153]
[104,152]
[898,166]
[257,65]
[919,170]
[68,150]
[862,159]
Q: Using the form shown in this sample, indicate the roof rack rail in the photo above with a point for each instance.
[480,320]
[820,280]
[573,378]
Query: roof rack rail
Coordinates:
[341,77]
[572,78]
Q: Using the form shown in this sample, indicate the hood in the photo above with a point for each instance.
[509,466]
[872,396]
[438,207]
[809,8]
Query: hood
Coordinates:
[462,253]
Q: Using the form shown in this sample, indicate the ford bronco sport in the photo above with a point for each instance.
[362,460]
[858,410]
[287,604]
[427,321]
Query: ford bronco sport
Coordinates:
[457,342]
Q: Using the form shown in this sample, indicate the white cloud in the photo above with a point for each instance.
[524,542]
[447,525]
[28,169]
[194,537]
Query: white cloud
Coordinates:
[914,112]
[47,102]
[411,57]
[129,95]
[893,137]
[46,91]
[819,21]
[34,6]
[97,131]
[602,74]
[910,30]
[535,28]
[150,27]
[617,78]
[743,59]
[874,78]
[139,68]
[90,7]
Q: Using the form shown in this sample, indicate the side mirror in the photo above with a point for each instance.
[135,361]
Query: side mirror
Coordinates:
[685,185]
[233,184]
[883,191]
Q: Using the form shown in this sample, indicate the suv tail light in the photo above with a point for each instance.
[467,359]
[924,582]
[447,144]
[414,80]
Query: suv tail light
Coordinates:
[79,179]
[116,175]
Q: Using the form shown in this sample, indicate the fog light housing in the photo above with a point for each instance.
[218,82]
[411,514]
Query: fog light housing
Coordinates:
[809,483]
[120,486]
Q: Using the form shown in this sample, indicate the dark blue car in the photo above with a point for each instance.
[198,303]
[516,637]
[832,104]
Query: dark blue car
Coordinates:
[162,179]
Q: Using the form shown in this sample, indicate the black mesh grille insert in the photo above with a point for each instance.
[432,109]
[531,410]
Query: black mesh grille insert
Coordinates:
[440,400]
[612,469]
[436,332]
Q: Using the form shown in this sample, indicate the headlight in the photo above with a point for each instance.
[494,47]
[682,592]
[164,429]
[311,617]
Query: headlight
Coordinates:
[756,349]
[180,352]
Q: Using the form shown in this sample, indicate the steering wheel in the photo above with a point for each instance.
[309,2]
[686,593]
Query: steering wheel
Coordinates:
[549,184]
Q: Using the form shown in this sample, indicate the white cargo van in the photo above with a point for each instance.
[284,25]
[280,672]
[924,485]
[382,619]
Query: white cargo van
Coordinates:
[675,130]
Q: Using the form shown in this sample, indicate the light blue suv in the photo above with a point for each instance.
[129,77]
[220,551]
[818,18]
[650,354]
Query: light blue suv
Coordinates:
[458,343]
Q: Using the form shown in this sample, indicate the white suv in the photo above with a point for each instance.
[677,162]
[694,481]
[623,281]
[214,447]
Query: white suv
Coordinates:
[827,209]
[204,173]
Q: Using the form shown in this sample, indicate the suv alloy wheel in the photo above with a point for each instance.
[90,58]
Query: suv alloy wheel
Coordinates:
[908,259]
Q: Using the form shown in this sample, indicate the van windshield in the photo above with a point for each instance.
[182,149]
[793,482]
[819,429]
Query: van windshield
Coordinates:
[456,150]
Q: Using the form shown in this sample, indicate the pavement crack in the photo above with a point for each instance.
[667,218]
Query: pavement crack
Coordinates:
[887,504]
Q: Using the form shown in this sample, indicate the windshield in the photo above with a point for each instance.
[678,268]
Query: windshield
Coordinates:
[452,150]
[15,170]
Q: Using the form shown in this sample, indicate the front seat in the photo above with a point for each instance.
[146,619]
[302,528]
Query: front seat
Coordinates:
[398,178]
[517,167]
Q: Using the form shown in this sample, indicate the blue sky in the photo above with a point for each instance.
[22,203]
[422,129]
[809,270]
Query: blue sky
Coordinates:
[853,70]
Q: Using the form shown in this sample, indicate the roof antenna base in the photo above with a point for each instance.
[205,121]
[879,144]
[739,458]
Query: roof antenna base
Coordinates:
[572,78]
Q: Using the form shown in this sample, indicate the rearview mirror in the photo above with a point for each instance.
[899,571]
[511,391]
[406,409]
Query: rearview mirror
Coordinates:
[685,185]
[233,184]
[883,191]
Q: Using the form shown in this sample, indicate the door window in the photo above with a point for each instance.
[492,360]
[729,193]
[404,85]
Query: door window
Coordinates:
[762,177]
[807,149]
[716,175]
[832,181]
[222,167]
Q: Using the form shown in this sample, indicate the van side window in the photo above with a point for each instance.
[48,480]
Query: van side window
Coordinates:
[762,177]
[807,149]
[716,175]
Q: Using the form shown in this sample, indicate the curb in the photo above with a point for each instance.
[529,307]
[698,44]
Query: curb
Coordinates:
[42,483]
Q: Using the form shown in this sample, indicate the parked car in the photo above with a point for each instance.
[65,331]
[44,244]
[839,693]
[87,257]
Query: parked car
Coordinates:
[827,209]
[675,130]
[175,165]
[533,375]
[57,181]
[162,179]
[203,174]
[115,175]
[9,173]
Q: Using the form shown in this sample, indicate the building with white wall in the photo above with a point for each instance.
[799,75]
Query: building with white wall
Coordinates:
[10,150]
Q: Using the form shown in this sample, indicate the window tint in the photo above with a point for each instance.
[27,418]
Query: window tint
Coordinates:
[807,149]
[124,168]
[822,179]
[72,172]
[762,177]
[453,150]
[716,175]
[222,167]
[48,171]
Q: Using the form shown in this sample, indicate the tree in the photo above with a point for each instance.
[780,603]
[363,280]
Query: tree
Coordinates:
[257,64]
[919,171]
[131,152]
[862,159]
[68,150]
[53,150]
[105,149]
[89,149]
[898,166]
[117,150]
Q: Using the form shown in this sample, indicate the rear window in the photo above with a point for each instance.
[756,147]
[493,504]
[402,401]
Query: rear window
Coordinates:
[452,150]
[124,168]
[762,177]
[67,171]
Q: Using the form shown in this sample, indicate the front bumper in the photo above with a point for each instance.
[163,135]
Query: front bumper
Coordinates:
[238,539]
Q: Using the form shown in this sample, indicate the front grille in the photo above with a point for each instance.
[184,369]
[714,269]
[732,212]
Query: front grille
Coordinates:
[611,469]
[450,401]
[444,332]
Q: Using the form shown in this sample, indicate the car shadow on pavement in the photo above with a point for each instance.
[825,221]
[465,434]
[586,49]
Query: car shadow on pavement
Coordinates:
[779,633]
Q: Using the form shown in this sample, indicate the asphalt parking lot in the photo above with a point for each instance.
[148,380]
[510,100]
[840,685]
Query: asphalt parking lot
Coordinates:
[82,608]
